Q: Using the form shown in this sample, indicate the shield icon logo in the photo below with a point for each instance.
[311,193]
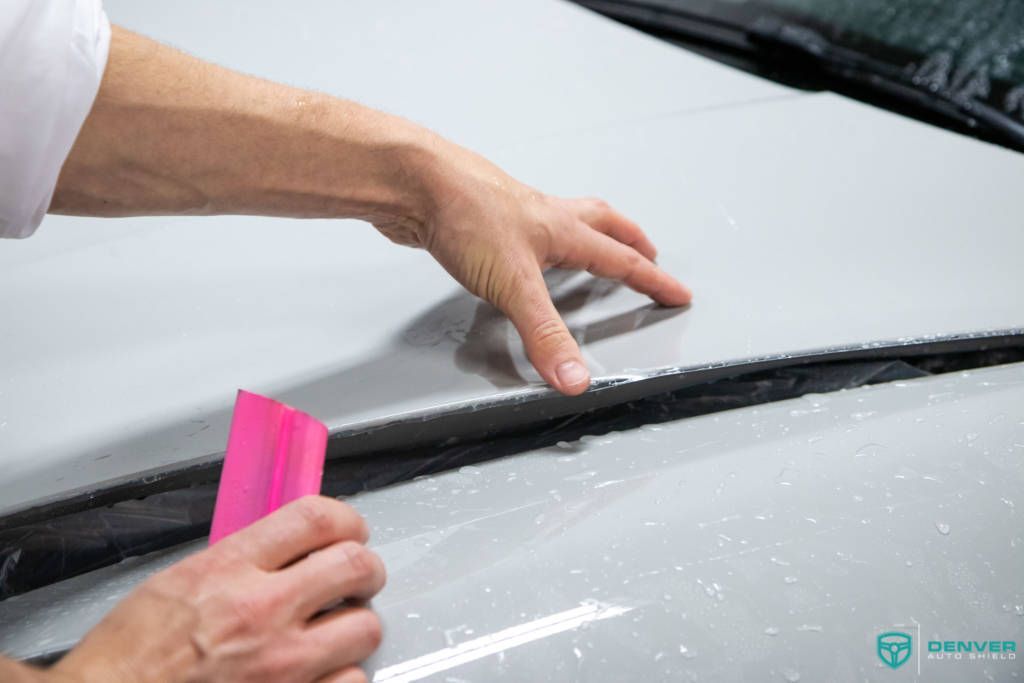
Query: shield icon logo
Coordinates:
[894,648]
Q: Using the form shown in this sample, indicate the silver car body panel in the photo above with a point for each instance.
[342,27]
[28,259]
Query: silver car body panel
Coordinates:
[804,222]
[767,543]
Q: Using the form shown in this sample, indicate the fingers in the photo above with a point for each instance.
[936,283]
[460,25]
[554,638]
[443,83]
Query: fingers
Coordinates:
[608,257]
[295,530]
[549,346]
[342,639]
[343,570]
[605,257]
[601,217]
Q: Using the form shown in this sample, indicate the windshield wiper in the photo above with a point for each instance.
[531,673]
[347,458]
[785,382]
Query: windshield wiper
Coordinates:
[799,55]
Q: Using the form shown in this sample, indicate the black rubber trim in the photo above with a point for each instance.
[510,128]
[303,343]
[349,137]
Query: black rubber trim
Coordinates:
[465,422]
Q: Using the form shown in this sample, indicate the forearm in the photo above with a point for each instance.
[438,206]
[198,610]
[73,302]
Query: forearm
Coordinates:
[171,134]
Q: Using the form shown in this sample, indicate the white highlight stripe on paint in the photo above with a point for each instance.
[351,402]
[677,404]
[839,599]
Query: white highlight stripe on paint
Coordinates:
[499,641]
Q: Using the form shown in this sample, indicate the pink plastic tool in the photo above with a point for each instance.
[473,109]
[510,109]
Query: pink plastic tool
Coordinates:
[275,455]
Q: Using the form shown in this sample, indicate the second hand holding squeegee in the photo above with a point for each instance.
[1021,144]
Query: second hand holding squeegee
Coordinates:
[275,454]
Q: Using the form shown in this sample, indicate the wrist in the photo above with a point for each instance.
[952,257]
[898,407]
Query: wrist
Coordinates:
[361,163]
[415,161]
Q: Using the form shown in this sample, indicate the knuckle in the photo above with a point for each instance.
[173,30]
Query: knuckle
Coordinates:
[552,228]
[318,515]
[360,529]
[631,262]
[191,574]
[563,230]
[348,521]
[366,569]
[549,332]
[223,556]
[248,612]
[359,559]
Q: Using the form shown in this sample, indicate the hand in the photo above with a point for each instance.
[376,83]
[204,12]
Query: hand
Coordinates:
[247,609]
[246,146]
[496,236]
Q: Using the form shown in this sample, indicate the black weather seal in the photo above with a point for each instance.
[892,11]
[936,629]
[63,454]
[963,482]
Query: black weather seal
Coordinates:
[46,551]
[455,424]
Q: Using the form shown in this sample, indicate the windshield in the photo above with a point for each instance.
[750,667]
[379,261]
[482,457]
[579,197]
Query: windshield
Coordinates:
[966,52]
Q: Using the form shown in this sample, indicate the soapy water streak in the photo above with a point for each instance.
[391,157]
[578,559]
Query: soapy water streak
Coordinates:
[499,641]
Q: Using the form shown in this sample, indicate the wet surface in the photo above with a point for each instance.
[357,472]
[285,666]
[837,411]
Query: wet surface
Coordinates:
[126,340]
[766,543]
[57,547]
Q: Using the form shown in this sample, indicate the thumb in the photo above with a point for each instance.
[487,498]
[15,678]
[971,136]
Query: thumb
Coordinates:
[549,346]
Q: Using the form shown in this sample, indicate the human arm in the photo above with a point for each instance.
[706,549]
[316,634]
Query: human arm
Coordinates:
[171,134]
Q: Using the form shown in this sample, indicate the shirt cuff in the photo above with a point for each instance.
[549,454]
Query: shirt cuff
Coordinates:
[55,52]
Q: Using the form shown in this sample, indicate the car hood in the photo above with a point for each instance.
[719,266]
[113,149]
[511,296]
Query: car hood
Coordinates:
[805,224]
[768,543]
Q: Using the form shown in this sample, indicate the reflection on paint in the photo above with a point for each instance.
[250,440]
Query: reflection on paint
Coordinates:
[499,641]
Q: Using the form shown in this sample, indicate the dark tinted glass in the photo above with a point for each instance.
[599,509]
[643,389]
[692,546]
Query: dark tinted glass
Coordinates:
[963,49]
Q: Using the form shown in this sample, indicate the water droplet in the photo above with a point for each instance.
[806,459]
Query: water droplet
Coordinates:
[772,631]
[942,528]
[868,449]
[790,579]
[816,628]
[791,675]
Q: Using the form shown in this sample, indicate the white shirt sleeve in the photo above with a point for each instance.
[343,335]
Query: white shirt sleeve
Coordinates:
[52,57]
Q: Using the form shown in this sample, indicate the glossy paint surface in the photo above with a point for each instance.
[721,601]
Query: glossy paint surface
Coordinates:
[802,221]
[768,543]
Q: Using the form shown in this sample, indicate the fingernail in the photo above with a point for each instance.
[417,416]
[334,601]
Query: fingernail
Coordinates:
[572,373]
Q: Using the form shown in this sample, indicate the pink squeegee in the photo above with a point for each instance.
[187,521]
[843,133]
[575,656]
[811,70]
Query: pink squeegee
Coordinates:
[275,455]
